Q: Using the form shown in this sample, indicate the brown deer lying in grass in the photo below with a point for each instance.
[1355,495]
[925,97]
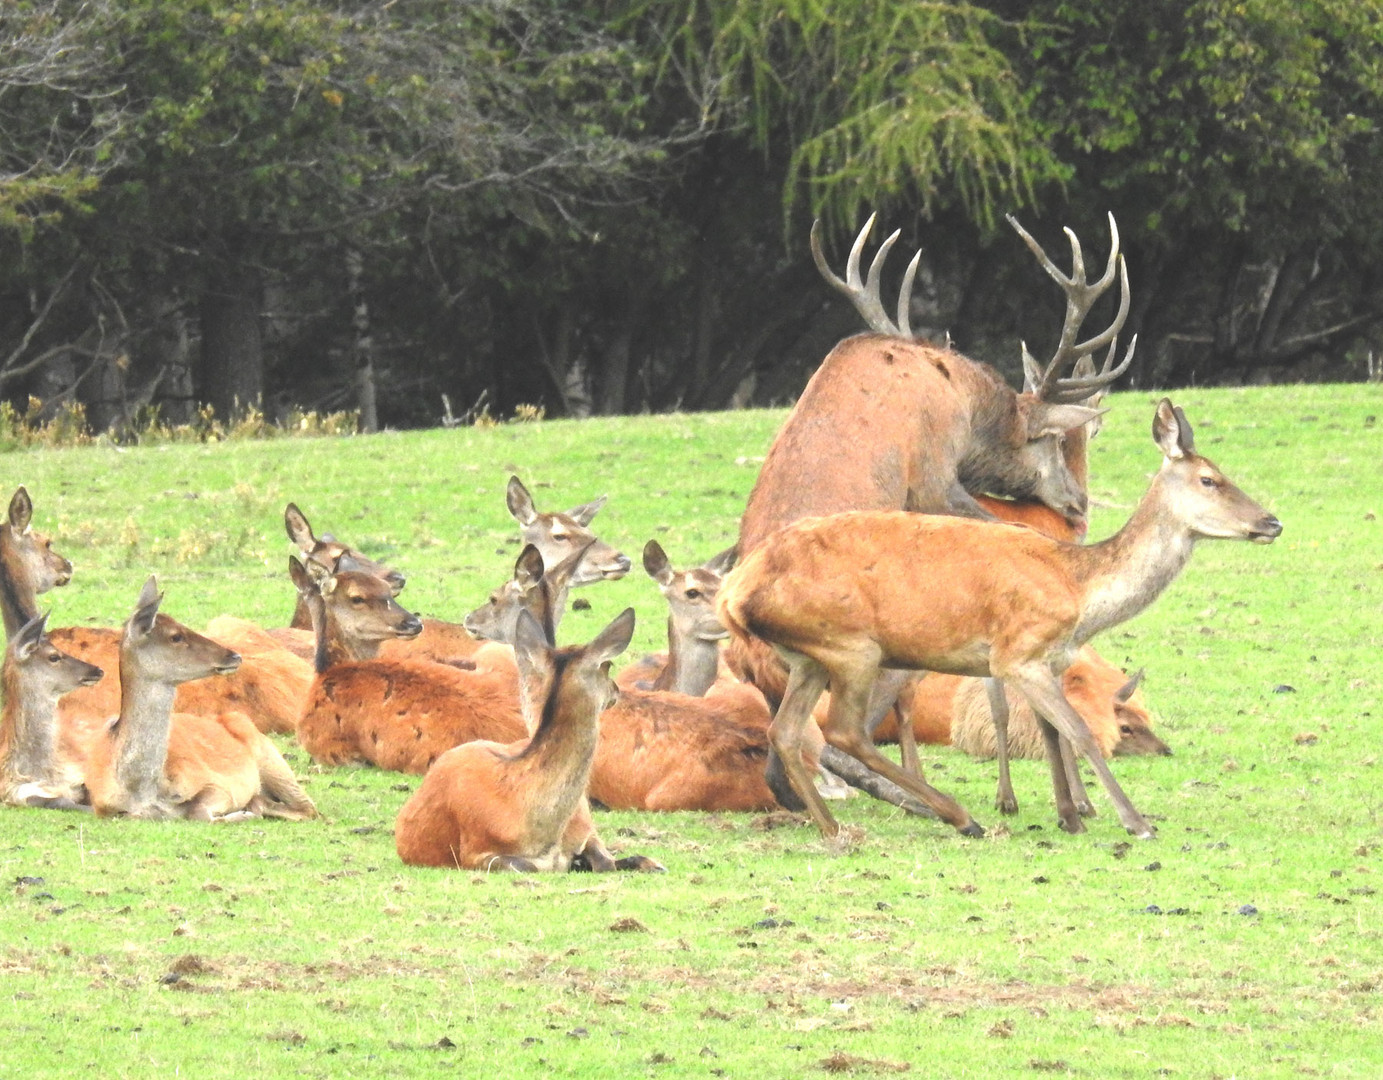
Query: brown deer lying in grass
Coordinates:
[395,714]
[954,710]
[152,763]
[269,686]
[671,749]
[521,806]
[35,675]
[842,596]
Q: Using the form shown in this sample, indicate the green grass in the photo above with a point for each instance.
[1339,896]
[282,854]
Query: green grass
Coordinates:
[307,949]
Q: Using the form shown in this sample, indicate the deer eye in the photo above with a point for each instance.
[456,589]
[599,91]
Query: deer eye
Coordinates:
[693,594]
[1124,729]
[54,658]
[175,638]
[1207,481]
[357,600]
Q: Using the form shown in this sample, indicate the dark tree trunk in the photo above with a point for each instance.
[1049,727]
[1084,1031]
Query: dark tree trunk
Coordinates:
[363,349]
[231,375]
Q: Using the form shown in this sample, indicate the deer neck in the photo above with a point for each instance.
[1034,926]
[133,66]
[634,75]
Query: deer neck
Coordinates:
[18,602]
[141,733]
[29,736]
[1124,574]
[333,645]
[561,751]
[692,664]
[302,616]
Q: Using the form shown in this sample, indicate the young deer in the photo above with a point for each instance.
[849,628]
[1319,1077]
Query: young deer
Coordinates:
[28,564]
[658,749]
[521,806]
[35,675]
[840,597]
[152,763]
[395,714]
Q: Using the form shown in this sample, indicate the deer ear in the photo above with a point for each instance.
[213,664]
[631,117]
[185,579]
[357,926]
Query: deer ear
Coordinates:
[655,563]
[1186,438]
[529,569]
[299,531]
[1167,430]
[21,510]
[529,639]
[1126,691]
[584,513]
[520,503]
[300,575]
[28,637]
[614,639]
[1059,419]
[146,607]
[722,564]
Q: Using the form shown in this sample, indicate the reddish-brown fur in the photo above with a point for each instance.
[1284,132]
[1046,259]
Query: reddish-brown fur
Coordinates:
[845,595]
[395,714]
[519,806]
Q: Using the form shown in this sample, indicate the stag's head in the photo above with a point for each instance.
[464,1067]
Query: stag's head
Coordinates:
[1200,497]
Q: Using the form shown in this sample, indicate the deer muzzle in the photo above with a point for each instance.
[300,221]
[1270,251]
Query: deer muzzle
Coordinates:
[229,666]
[1265,530]
[411,627]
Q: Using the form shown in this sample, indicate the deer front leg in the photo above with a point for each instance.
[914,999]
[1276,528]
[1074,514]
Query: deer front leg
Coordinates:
[1075,781]
[846,729]
[1043,691]
[1005,801]
[806,682]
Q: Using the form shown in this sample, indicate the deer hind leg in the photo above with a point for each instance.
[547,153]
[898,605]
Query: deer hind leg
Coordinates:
[1067,812]
[847,729]
[882,698]
[1071,764]
[806,681]
[1005,801]
[1043,691]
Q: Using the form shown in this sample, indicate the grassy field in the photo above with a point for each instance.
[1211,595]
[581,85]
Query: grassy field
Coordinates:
[1244,942]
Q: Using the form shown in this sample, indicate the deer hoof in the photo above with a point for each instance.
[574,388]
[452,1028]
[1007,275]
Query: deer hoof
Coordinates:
[1085,809]
[974,829]
[1143,832]
[641,863]
[845,840]
[1073,825]
[1005,805]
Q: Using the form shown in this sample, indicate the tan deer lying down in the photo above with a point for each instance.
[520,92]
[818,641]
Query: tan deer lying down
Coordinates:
[395,714]
[521,806]
[153,763]
[659,749]
[841,596]
[35,675]
[269,687]
[954,710]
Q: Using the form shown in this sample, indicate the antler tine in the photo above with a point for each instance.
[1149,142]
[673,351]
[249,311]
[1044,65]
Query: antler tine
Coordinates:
[1080,297]
[905,295]
[1032,373]
[864,293]
[1073,390]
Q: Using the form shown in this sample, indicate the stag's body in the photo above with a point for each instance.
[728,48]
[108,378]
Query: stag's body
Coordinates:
[35,676]
[521,806]
[842,597]
[153,763]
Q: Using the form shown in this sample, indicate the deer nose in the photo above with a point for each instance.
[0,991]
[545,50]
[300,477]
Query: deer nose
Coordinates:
[396,581]
[411,626]
[1267,530]
[619,566]
[229,665]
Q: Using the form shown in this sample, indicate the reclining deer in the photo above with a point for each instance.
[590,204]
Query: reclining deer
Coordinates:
[841,597]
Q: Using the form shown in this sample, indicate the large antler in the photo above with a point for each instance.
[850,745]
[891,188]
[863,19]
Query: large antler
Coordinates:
[1081,295]
[865,294]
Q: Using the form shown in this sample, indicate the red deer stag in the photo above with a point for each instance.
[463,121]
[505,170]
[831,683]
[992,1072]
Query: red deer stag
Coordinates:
[153,763]
[522,806]
[35,675]
[395,714]
[842,596]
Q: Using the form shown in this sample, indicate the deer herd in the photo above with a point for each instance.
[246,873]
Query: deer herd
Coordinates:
[914,515]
